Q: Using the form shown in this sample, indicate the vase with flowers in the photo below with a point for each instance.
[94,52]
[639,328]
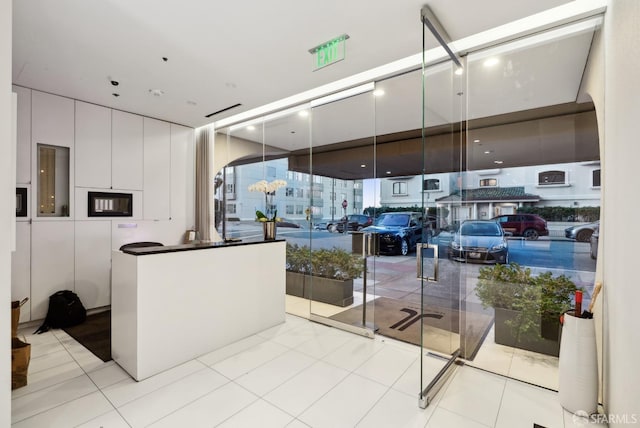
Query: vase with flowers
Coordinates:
[269,216]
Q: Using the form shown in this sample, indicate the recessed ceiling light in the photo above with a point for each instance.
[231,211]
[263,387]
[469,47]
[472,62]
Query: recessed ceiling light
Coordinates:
[486,152]
[156,92]
[490,62]
[388,172]
[363,166]
[476,141]
[499,162]
[303,113]
[251,128]
[459,71]
[378,92]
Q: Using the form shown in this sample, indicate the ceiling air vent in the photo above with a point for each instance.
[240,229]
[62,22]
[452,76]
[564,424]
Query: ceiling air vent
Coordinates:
[223,110]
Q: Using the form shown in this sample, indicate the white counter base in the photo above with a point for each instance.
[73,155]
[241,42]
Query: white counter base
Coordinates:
[170,308]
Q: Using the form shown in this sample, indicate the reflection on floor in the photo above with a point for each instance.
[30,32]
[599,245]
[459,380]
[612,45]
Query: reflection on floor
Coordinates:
[520,364]
[298,374]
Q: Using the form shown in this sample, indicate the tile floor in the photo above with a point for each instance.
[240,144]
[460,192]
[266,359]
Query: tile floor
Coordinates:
[298,374]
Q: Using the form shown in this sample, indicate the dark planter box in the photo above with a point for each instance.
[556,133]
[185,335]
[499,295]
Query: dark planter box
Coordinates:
[547,342]
[325,290]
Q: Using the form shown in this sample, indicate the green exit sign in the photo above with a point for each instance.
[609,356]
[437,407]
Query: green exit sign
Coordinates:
[329,52]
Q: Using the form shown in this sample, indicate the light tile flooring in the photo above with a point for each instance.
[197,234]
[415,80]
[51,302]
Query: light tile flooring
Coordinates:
[298,374]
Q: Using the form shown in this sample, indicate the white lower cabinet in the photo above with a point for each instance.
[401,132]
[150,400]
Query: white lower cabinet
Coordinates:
[21,269]
[93,262]
[52,259]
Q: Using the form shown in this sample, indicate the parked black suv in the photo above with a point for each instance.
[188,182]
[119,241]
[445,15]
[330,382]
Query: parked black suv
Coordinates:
[529,226]
[399,231]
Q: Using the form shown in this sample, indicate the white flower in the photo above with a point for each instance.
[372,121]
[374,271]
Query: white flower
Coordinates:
[265,187]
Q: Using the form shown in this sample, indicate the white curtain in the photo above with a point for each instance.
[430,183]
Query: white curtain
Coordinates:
[204,185]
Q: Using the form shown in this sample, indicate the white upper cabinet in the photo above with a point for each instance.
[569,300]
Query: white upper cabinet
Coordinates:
[182,174]
[23,161]
[52,120]
[127,151]
[157,170]
[93,146]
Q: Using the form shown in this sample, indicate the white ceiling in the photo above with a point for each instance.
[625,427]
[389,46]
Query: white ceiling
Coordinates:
[221,53]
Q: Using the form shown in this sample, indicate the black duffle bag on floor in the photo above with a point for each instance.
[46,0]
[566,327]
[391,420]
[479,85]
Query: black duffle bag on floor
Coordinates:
[65,310]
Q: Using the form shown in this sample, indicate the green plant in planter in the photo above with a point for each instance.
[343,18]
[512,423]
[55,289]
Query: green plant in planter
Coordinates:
[334,263]
[535,298]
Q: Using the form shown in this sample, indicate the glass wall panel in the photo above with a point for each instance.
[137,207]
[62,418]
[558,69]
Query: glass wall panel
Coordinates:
[533,167]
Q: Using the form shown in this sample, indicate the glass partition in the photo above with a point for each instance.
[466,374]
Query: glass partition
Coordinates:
[436,193]
[533,167]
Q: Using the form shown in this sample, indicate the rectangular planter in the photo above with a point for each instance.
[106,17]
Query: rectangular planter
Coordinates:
[332,291]
[547,342]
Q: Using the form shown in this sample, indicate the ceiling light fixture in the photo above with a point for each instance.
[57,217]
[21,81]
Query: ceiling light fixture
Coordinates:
[363,166]
[388,172]
[499,162]
[303,113]
[251,128]
[378,92]
[476,141]
[486,152]
[459,71]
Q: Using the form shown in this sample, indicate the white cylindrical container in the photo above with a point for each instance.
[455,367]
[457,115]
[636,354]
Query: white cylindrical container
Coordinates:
[578,367]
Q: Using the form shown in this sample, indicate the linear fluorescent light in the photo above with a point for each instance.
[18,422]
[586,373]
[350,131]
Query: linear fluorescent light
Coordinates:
[367,87]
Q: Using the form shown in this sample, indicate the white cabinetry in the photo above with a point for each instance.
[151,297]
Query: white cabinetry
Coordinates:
[182,175]
[52,257]
[93,146]
[93,262]
[21,269]
[52,119]
[157,170]
[23,163]
[127,151]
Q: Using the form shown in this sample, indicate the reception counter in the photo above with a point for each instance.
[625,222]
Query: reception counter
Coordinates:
[172,304]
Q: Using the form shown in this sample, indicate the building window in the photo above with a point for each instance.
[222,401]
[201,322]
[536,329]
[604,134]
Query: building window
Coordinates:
[230,188]
[288,192]
[299,209]
[332,196]
[488,182]
[299,193]
[547,178]
[289,209]
[400,188]
[290,175]
[595,178]
[317,194]
[231,208]
[332,211]
[271,171]
[317,179]
[357,185]
[431,184]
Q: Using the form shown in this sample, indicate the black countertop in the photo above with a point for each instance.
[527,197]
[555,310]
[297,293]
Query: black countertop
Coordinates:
[143,251]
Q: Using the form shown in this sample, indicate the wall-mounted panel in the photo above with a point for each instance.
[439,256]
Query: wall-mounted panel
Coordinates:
[21,269]
[127,151]
[157,170]
[82,203]
[93,146]
[23,163]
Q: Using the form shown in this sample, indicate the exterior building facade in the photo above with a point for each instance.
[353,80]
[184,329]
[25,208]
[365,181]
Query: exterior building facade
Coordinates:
[305,198]
[485,194]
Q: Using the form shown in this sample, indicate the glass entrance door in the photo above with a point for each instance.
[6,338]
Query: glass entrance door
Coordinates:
[343,269]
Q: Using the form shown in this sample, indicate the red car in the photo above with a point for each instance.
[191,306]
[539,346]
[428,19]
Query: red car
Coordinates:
[529,226]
